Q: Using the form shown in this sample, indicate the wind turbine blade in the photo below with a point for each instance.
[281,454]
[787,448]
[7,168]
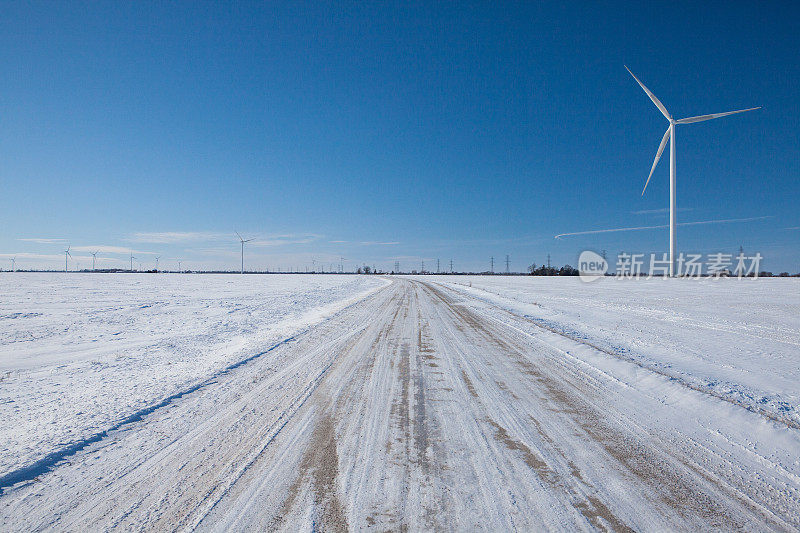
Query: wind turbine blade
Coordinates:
[658,156]
[701,118]
[655,100]
[237,234]
[248,240]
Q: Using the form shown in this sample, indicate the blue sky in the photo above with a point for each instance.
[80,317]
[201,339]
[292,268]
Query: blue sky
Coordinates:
[392,131]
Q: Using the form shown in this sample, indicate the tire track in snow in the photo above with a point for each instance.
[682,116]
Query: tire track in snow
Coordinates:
[420,413]
[774,417]
[44,465]
[647,463]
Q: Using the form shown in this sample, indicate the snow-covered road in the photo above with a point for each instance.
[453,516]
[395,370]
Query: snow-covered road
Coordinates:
[426,408]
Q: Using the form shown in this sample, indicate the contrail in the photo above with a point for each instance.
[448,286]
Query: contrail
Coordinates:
[723,221]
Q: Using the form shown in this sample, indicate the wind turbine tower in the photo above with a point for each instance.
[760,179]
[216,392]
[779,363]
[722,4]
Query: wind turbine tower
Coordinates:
[243,241]
[132,258]
[157,258]
[13,264]
[670,136]
[94,258]
[67,255]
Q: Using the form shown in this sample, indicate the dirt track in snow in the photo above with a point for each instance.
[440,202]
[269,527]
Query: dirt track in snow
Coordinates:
[418,409]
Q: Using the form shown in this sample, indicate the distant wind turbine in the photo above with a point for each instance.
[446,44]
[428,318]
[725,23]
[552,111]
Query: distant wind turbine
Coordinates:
[157,258]
[179,265]
[67,255]
[13,263]
[132,258]
[94,257]
[670,135]
[243,241]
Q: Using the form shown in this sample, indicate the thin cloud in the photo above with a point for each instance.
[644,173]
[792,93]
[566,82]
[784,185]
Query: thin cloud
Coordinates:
[660,211]
[416,258]
[176,237]
[110,250]
[219,252]
[43,257]
[368,243]
[39,240]
[283,240]
[637,228]
[793,228]
[171,237]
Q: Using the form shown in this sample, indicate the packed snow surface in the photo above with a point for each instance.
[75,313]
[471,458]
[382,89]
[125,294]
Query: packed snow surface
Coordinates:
[81,352]
[330,403]
[739,339]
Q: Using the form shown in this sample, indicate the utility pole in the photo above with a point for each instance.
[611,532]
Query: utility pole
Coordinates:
[437,265]
[492,262]
[548,261]
[508,259]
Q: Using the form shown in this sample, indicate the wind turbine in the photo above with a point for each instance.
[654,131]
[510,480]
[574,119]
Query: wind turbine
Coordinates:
[132,258]
[94,257]
[179,265]
[67,255]
[13,263]
[670,135]
[157,258]
[243,241]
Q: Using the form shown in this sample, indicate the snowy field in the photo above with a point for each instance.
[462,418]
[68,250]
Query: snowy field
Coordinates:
[739,339]
[315,403]
[80,353]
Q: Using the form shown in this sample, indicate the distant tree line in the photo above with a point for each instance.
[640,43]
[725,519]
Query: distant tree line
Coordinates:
[543,270]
